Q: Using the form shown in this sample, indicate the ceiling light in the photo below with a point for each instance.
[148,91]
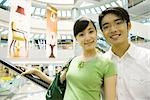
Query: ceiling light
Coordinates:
[58,1]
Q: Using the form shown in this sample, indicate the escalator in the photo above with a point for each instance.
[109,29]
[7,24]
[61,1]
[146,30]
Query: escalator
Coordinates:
[19,87]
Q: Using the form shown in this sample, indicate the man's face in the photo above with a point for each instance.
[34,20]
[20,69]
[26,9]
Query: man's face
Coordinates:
[115,29]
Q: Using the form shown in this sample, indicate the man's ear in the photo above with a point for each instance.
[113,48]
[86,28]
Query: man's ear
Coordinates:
[129,25]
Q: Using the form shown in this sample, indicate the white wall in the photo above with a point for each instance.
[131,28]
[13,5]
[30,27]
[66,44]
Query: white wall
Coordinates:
[140,29]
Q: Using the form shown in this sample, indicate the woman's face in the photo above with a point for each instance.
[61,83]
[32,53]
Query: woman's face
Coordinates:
[87,38]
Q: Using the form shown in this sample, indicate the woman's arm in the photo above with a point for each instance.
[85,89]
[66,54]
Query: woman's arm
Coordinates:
[63,75]
[110,88]
[39,74]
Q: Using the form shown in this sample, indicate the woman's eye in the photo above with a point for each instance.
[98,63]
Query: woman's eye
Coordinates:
[91,31]
[81,34]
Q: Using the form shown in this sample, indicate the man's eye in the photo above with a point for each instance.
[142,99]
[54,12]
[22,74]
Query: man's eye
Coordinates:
[105,27]
[119,22]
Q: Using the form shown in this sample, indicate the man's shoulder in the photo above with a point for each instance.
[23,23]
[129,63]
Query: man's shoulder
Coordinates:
[107,55]
[142,50]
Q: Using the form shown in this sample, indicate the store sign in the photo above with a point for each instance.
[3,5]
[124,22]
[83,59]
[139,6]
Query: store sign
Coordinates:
[19,27]
[51,35]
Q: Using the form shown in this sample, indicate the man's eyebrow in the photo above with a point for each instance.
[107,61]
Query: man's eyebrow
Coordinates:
[119,19]
[104,24]
[114,20]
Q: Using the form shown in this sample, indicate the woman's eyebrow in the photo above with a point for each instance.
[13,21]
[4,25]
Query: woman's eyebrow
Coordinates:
[90,28]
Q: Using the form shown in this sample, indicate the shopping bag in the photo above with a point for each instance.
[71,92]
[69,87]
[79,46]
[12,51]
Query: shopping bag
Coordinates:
[57,89]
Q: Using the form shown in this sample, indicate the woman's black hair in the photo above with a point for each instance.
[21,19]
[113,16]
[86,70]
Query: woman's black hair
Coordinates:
[118,11]
[81,24]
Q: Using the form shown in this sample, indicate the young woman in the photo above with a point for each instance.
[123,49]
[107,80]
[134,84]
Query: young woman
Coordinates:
[89,71]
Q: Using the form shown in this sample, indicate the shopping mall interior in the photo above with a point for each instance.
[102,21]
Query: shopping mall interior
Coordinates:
[46,41]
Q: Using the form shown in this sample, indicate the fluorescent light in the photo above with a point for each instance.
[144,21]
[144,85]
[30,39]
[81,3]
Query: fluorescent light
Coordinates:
[37,11]
[120,3]
[93,11]
[87,11]
[63,13]
[103,8]
[68,13]
[58,1]
[108,5]
[58,36]
[85,4]
[98,9]
[114,4]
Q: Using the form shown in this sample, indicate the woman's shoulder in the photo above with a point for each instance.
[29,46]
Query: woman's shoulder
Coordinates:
[103,59]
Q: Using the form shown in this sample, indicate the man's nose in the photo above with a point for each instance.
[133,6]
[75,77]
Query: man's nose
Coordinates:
[113,28]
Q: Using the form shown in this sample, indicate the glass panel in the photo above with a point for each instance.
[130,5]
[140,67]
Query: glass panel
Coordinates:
[63,37]
[7,3]
[36,36]
[1,1]
[69,37]
[5,32]
[32,10]
[16,87]
[37,11]
[68,13]
[64,13]
[1,29]
[42,12]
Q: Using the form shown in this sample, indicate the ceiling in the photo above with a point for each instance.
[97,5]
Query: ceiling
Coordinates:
[138,9]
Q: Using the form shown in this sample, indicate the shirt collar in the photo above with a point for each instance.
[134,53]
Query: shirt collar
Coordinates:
[131,51]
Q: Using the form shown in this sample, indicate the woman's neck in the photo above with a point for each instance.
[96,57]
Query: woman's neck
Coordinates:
[89,53]
[120,50]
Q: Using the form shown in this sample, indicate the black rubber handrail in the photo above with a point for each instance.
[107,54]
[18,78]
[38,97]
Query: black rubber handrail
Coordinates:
[11,66]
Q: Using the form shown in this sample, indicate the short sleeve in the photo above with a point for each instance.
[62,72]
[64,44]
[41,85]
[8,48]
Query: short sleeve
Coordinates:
[111,69]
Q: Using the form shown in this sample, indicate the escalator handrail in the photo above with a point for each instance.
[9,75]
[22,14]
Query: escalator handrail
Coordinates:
[11,66]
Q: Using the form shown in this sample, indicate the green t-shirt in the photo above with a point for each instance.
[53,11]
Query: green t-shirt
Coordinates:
[84,82]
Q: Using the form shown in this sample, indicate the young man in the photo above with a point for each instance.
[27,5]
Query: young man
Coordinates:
[133,63]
